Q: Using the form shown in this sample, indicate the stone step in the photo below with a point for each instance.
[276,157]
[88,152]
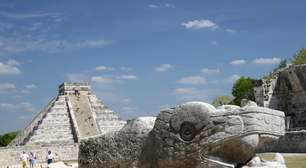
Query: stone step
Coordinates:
[40,135]
[51,142]
[57,120]
[58,115]
[52,137]
[54,129]
[108,118]
[111,124]
[62,127]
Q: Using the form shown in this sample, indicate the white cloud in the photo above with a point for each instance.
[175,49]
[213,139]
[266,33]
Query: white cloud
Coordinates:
[233,78]
[94,43]
[238,62]
[28,107]
[8,68]
[191,94]
[13,62]
[153,6]
[214,43]
[185,90]
[38,35]
[129,111]
[200,24]
[126,69]
[31,86]
[11,45]
[7,106]
[24,91]
[230,30]
[104,68]
[267,61]
[208,71]
[7,86]
[192,80]
[102,80]
[76,77]
[34,27]
[26,15]
[16,107]
[164,68]
[126,100]
[165,5]
[127,77]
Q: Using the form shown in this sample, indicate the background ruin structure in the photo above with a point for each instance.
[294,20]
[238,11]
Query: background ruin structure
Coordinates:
[75,113]
[285,90]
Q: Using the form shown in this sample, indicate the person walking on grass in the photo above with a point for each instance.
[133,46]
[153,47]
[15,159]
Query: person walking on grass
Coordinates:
[24,159]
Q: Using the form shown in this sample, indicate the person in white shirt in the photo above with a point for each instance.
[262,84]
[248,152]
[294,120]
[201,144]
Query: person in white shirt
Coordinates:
[50,157]
[24,159]
[32,160]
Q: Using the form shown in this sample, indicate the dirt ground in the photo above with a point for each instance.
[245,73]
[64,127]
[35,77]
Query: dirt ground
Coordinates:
[292,160]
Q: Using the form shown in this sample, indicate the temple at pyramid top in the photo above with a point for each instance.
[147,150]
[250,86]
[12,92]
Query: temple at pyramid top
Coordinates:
[73,114]
[71,88]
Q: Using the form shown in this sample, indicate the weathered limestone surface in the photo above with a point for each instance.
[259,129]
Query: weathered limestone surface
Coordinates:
[191,135]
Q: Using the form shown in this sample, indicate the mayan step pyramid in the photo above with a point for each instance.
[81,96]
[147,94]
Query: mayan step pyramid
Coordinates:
[75,113]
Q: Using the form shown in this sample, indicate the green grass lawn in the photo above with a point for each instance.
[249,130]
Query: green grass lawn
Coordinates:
[292,160]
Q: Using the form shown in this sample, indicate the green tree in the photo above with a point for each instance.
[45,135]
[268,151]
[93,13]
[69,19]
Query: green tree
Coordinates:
[243,89]
[282,64]
[300,57]
[221,100]
[7,138]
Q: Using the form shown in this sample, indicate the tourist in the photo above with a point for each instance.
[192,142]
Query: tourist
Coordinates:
[50,158]
[32,160]
[24,159]
[77,93]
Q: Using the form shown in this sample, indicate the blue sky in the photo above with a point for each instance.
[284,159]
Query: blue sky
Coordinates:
[139,55]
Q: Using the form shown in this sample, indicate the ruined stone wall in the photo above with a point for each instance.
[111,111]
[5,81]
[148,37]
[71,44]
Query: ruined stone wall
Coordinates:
[286,91]
[11,155]
[264,89]
[290,95]
[292,142]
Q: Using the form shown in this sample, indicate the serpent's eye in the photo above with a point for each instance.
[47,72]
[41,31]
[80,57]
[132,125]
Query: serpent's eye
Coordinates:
[187,131]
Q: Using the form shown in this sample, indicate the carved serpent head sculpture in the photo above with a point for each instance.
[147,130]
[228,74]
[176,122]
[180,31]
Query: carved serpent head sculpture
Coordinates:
[191,135]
